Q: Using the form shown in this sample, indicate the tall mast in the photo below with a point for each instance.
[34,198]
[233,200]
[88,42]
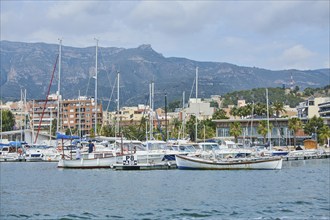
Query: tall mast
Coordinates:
[95,129]
[21,113]
[59,85]
[117,121]
[151,89]
[196,104]
[166,138]
[79,126]
[269,138]
[183,115]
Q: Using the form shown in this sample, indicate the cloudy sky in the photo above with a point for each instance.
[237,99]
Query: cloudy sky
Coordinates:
[268,34]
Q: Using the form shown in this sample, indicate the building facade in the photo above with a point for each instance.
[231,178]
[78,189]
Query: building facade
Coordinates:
[280,134]
[310,107]
[77,115]
[324,112]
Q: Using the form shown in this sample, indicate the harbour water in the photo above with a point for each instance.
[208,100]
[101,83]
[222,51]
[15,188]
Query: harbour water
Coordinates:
[301,190]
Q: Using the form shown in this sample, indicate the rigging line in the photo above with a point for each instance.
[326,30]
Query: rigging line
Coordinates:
[113,88]
[43,110]
[89,79]
[145,108]
[105,67]
[192,88]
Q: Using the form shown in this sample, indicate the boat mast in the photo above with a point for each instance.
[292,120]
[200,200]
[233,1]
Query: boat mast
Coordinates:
[269,139]
[252,123]
[151,100]
[117,121]
[59,85]
[196,104]
[166,138]
[95,129]
[21,113]
[79,126]
[183,115]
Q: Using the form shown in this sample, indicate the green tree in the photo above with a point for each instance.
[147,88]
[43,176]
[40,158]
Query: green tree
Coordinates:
[190,127]
[7,120]
[313,125]
[108,131]
[91,133]
[219,114]
[206,127]
[214,104]
[296,89]
[54,126]
[234,111]
[278,107]
[324,134]
[260,109]
[294,124]
[173,105]
[263,129]
[68,131]
[235,130]
[175,127]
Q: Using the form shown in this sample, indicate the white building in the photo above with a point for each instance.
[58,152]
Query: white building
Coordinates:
[310,107]
[203,110]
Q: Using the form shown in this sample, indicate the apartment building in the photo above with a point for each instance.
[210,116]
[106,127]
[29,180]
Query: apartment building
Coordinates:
[310,107]
[75,114]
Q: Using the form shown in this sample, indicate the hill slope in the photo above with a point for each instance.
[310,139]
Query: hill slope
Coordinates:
[29,66]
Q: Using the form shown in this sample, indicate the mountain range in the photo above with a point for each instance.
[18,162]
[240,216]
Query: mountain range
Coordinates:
[30,66]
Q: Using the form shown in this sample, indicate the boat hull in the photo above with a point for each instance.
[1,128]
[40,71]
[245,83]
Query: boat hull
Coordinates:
[186,162]
[88,163]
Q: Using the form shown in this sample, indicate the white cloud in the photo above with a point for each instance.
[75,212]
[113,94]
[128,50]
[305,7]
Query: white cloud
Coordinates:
[268,34]
[296,57]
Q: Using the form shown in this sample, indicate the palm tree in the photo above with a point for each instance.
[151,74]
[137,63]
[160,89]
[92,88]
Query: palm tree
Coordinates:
[263,129]
[260,109]
[235,130]
[176,124]
[278,107]
[294,124]
[219,114]
[234,111]
[324,134]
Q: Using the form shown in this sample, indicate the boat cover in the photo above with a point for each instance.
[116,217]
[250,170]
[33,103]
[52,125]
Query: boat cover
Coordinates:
[64,136]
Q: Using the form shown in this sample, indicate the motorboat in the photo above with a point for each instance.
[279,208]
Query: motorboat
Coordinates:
[11,152]
[143,154]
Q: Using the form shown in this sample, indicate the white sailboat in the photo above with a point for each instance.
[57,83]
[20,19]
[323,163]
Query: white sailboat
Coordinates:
[95,159]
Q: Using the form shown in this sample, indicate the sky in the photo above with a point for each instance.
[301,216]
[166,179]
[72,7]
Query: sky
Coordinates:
[274,35]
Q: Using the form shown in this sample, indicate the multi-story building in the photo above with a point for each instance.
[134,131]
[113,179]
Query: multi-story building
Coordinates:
[75,114]
[280,134]
[324,111]
[133,116]
[201,109]
[310,107]
[126,115]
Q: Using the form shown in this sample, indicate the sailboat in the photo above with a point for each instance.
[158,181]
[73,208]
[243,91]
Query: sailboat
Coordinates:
[95,159]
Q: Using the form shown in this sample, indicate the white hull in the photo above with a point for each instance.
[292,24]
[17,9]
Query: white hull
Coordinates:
[151,158]
[186,162]
[88,163]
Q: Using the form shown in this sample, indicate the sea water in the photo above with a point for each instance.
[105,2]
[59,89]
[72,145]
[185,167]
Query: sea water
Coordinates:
[301,190]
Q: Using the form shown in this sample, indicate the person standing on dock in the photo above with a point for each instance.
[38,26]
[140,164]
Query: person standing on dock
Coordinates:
[78,152]
[91,146]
